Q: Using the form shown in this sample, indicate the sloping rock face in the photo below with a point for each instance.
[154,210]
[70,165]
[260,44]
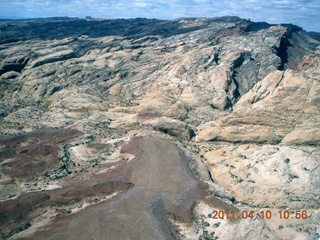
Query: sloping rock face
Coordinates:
[149,129]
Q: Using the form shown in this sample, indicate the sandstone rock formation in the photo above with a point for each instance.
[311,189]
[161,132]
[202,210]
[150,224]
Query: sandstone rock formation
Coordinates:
[141,129]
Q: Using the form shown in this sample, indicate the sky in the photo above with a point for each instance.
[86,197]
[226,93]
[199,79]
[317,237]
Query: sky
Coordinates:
[304,13]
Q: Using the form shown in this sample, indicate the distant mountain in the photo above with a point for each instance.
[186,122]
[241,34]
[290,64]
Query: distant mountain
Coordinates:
[5,18]
[314,35]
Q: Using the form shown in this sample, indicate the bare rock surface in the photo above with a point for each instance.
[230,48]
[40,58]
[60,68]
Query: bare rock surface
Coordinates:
[279,167]
[142,128]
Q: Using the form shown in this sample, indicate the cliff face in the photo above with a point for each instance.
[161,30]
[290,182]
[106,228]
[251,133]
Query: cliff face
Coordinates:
[235,103]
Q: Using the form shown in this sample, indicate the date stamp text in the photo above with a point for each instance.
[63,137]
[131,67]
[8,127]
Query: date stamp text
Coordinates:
[263,214]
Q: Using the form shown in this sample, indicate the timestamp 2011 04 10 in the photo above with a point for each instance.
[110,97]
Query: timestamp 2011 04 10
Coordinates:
[263,214]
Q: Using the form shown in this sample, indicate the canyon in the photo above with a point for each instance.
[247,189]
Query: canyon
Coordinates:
[143,128]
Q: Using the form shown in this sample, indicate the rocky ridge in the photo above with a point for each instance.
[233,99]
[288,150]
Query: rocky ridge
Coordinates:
[237,101]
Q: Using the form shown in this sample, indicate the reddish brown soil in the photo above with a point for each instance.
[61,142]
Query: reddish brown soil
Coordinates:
[33,152]
[148,115]
[154,186]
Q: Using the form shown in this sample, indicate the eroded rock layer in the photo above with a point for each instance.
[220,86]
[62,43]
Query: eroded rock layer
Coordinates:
[144,129]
